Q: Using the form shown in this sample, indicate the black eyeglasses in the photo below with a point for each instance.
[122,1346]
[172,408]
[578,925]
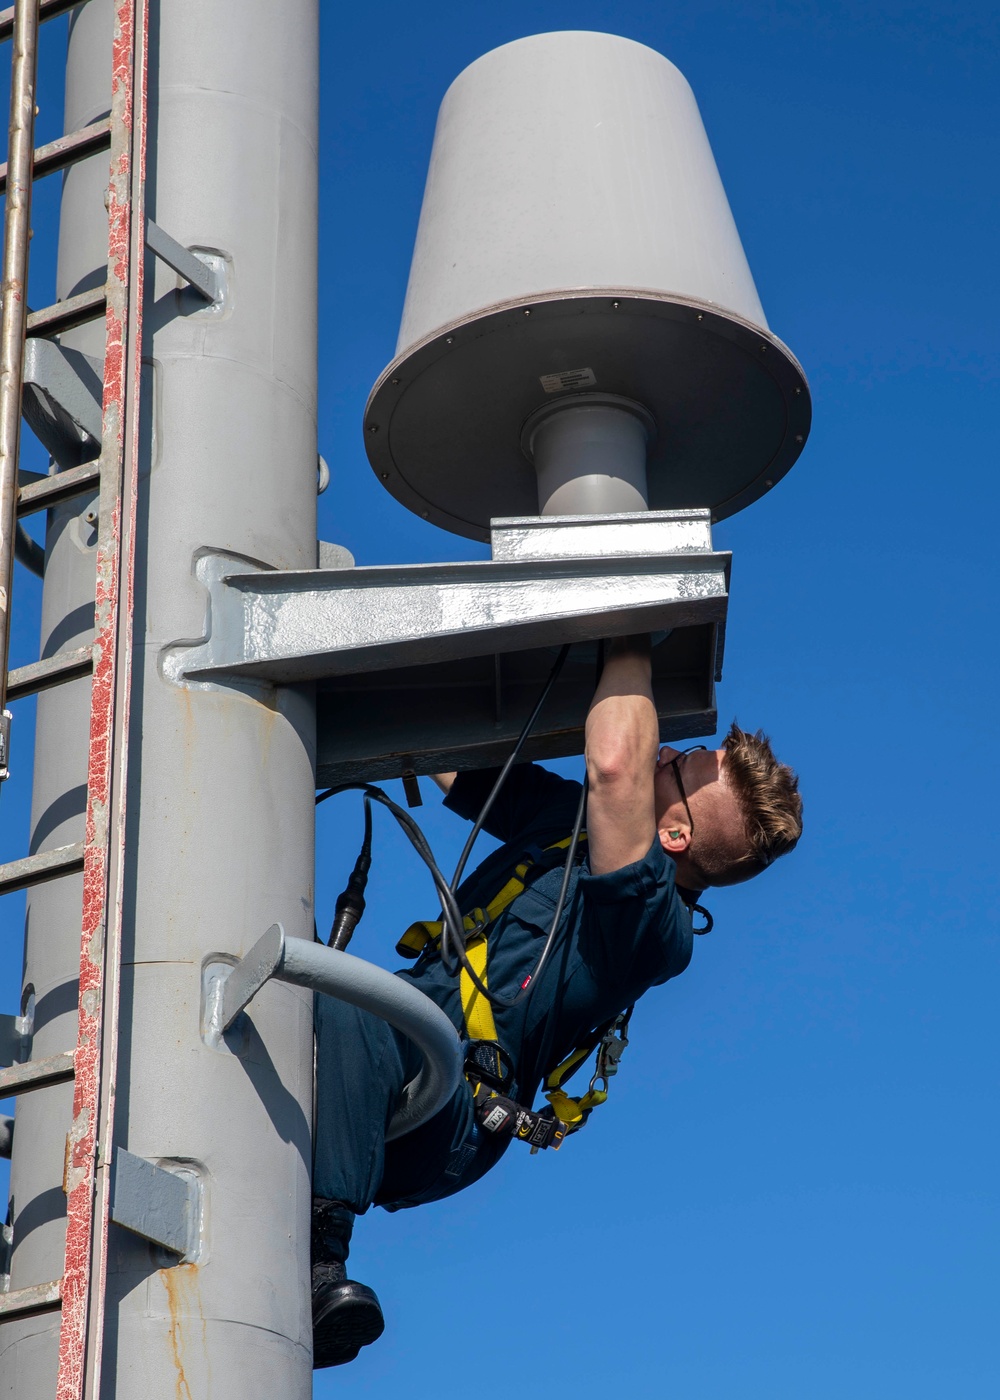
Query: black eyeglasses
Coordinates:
[675,765]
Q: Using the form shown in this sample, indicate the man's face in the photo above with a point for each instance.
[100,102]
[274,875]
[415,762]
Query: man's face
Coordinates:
[712,810]
[699,771]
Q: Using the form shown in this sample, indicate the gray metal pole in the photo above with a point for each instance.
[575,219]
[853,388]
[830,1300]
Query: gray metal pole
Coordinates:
[223,844]
[221,781]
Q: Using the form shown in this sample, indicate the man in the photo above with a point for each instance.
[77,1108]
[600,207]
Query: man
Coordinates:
[661,826]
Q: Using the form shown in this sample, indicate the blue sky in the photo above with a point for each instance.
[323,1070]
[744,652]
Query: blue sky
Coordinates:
[792,1192]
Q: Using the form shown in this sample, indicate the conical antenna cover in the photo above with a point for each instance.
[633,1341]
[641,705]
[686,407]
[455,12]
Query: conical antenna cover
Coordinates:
[575,238]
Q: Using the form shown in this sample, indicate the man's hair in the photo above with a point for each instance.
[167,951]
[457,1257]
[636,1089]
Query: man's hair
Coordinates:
[767,793]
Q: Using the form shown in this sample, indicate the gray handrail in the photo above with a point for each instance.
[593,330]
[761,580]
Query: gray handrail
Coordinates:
[351,979]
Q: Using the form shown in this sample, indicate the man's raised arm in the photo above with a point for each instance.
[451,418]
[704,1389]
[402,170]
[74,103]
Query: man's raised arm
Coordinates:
[622,740]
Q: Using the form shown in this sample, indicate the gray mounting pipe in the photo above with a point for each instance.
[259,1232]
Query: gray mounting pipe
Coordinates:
[338,974]
[589,455]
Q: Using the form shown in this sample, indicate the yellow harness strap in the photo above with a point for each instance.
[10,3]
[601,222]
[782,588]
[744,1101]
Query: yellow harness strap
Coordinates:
[476,1010]
[568,1110]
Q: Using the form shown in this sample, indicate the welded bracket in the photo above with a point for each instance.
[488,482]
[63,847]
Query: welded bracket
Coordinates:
[250,974]
[15,1040]
[428,667]
[160,1205]
[204,278]
[63,392]
[11,1039]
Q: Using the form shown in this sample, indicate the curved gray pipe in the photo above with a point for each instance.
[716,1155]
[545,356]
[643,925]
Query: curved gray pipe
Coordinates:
[362,984]
[6,1136]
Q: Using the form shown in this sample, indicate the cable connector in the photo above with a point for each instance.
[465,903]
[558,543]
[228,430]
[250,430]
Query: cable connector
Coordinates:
[350,904]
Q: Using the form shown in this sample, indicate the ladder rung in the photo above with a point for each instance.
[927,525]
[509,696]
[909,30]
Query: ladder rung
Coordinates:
[53,670]
[48,9]
[40,1298]
[64,315]
[76,145]
[46,865]
[36,1074]
[61,486]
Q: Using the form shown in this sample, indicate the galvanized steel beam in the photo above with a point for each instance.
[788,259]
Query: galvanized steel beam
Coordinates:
[292,627]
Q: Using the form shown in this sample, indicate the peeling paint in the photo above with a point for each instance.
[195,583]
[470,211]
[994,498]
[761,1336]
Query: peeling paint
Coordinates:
[87,1205]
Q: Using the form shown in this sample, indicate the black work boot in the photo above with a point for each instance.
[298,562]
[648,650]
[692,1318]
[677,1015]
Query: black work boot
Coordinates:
[346,1315]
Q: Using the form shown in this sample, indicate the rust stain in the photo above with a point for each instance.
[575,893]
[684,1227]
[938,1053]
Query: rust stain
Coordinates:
[183,1299]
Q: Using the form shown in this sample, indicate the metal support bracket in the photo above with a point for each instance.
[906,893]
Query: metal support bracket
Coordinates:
[157,1204]
[62,401]
[12,1039]
[61,404]
[437,664]
[250,974]
[195,270]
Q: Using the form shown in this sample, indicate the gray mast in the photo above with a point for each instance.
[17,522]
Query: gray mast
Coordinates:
[221,779]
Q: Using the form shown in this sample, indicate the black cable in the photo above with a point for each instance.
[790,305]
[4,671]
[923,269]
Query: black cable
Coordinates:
[416,838]
[452,922]
[526,730]
[527,986]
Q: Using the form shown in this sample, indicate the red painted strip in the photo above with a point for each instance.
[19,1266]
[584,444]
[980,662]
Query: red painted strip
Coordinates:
[87,1209]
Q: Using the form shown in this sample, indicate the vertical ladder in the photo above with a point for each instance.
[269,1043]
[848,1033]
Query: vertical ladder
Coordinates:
[80,1292]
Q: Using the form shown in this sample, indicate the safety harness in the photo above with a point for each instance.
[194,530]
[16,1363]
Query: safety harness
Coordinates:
[488,1067]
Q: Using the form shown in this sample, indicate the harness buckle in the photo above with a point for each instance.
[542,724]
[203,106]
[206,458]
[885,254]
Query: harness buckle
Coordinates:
[487,1062]
[613,1045]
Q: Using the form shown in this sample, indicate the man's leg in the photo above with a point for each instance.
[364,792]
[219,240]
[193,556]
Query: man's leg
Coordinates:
[361,1067]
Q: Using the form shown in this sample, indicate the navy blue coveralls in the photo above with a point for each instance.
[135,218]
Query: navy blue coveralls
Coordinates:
[619,935]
